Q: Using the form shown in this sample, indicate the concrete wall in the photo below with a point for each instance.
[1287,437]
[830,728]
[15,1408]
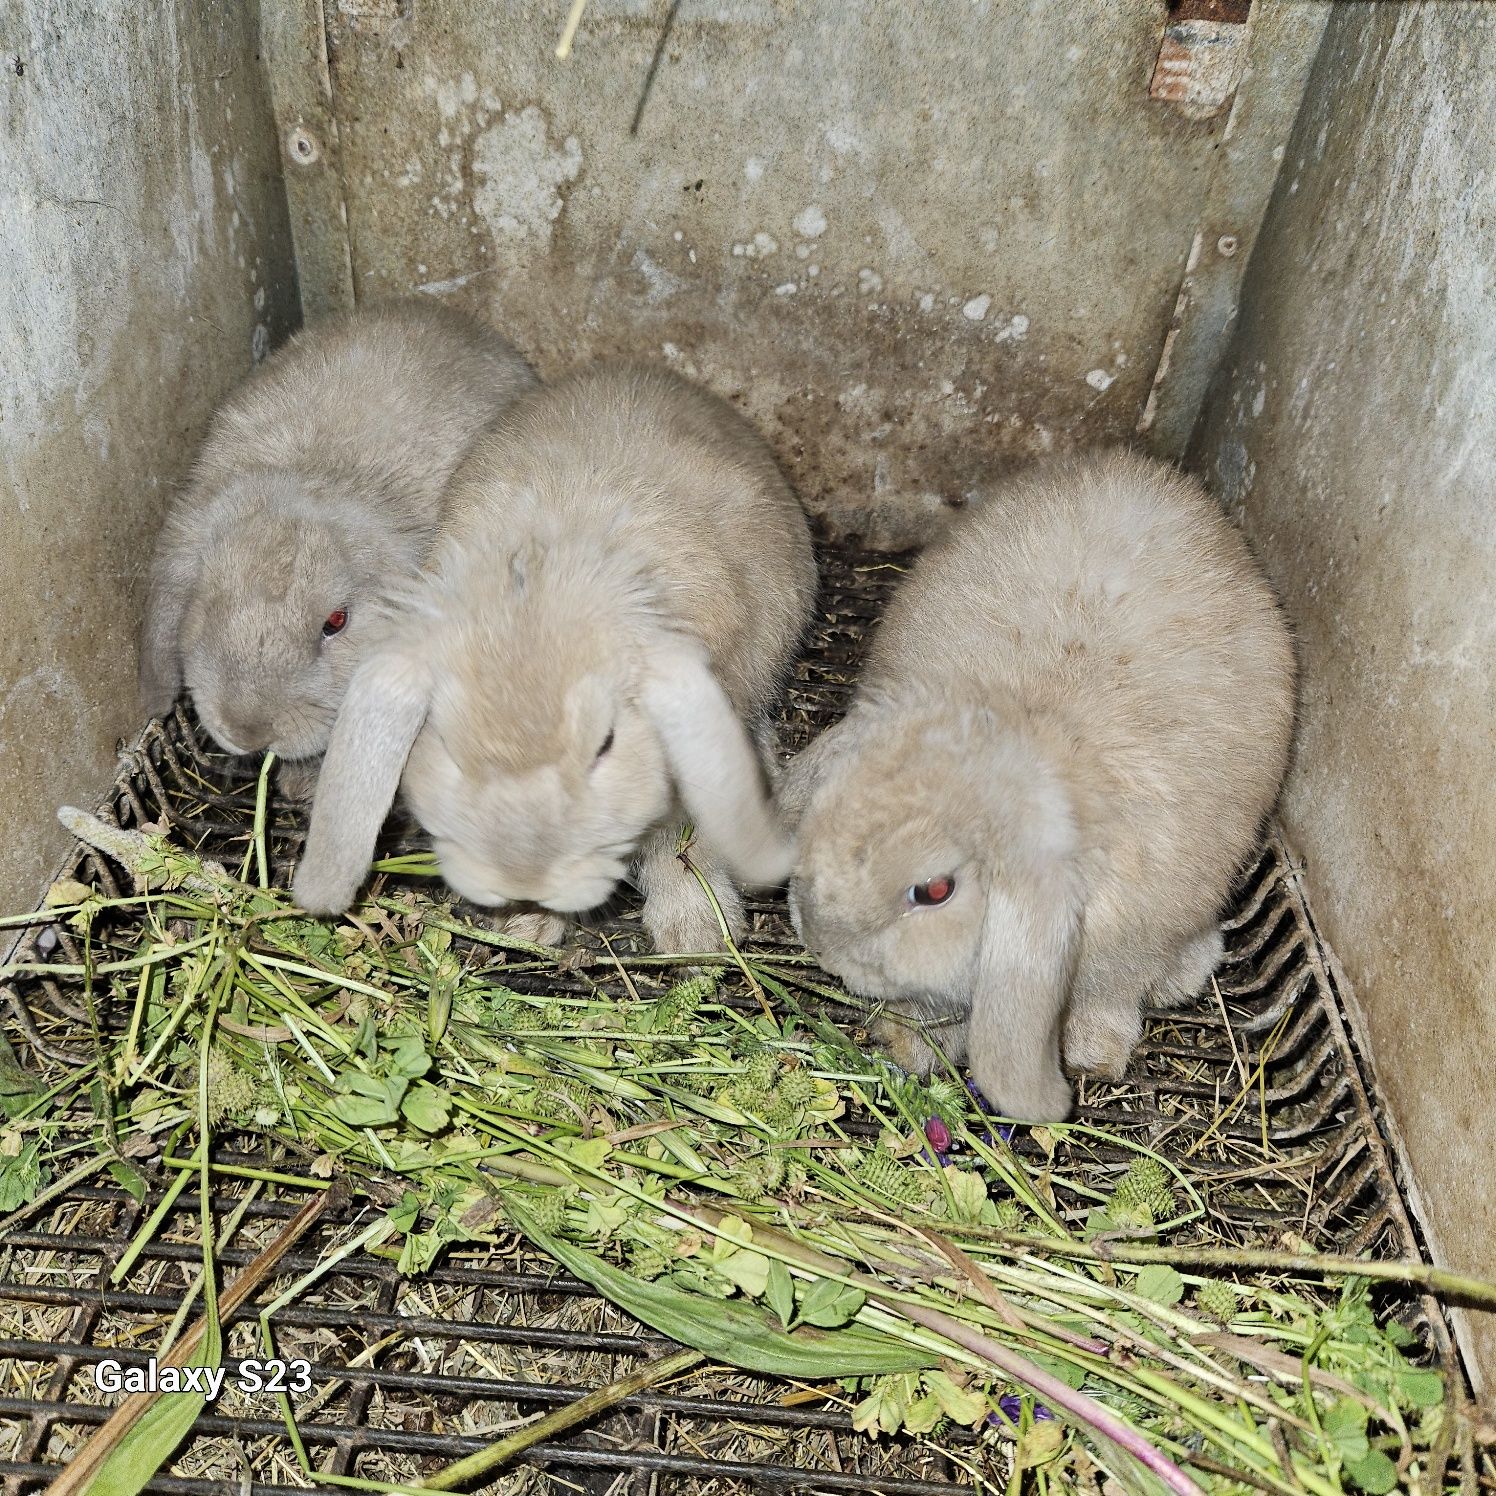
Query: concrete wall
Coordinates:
[909,243]
[911,240]
[1354,431]
[146,261]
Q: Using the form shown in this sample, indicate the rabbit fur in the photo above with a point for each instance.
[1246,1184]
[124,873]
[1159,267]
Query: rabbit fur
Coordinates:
[319,487]
[592,661]
[1079,707]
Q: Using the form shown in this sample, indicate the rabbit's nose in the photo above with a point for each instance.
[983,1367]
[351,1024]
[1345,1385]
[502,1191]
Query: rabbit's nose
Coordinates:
[251,734]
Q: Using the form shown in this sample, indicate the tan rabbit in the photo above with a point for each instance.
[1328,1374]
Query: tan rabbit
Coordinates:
[1075,716]
[591,662]
[318,488]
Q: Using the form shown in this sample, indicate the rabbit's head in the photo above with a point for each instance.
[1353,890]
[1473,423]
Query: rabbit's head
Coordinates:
[935,875]
[550,719]
[259,603]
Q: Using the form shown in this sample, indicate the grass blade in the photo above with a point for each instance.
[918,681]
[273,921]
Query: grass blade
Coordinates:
[651,1373]
[112,1463]
[736,1331]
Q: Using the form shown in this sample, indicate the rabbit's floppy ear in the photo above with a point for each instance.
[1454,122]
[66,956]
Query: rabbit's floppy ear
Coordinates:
[160,644]
[1025,961]
[380,718]
[715,767]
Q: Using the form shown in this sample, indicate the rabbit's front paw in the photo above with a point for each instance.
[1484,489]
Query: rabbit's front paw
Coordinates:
[538,926]
[681,921]
[904,1045]
[1194,967]
[296,780]
[1100,1041]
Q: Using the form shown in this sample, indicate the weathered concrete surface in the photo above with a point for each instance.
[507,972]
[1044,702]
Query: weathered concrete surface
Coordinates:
[911,240]
[1284,41]
[146,260]
[293,41]
[1354,431]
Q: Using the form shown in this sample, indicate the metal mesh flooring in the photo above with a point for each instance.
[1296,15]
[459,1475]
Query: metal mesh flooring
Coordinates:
[497,1336]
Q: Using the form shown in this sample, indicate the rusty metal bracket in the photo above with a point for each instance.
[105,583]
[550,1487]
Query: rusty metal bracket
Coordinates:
[1257,125]
[1202,57]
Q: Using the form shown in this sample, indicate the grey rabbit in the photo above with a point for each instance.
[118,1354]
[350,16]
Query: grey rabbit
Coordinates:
[1075,716]
[592,660]
[319,487]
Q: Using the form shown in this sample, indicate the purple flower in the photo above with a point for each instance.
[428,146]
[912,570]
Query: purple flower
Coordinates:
[1010,1403]
[938,1135]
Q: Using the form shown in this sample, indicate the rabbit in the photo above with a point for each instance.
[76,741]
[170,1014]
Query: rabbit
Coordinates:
[319,486]
[590,663]
[1075,716]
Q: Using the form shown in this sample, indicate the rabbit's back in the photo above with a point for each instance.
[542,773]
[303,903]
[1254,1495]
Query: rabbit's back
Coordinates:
[1113,601]
[390,398]
[644,464]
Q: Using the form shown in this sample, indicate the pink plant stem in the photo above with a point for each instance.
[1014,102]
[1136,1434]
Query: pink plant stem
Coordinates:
[1080,1342]
[1050,1388]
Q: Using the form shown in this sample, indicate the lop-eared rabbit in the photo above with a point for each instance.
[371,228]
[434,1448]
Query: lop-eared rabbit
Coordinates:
[319,488]
[1074,718]
[591,662]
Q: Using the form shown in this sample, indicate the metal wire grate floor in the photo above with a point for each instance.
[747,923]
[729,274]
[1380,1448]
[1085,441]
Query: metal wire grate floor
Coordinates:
[1258,1081]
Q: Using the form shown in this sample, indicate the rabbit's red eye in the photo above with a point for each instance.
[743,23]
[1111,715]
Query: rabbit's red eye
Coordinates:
[936,891]
[336,622]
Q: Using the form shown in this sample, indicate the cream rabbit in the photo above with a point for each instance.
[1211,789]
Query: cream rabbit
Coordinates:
[598,645]
[1075,716]
[318,488]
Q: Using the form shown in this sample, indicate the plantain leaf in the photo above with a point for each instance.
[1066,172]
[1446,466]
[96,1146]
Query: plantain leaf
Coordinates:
[731,1330]
[781,1293]
[439,1002]
[831,1305]
[149,1442]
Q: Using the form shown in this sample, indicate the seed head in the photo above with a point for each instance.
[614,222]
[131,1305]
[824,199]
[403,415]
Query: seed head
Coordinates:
[1218,1301]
